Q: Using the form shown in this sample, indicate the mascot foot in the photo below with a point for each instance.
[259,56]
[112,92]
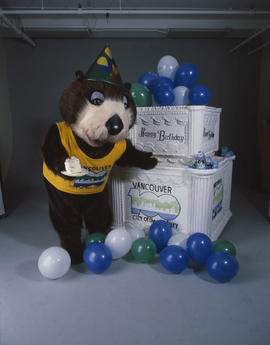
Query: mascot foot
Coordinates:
[76,253]
[76,257]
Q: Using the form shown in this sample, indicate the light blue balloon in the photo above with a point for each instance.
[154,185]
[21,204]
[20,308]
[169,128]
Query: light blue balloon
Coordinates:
[167,66]
[181,95]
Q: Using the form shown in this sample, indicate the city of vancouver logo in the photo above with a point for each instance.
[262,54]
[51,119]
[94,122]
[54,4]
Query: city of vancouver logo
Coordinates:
[149,204]
[91,179]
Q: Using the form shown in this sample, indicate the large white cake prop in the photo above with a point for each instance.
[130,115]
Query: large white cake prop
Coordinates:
[191,200]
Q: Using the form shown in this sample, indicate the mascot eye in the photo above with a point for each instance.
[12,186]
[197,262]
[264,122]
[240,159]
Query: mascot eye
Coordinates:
[97,98]
[125,101]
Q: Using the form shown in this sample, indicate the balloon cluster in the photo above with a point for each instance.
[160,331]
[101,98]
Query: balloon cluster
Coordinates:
[174,84]
[175,252]
[218,256]
[98,256]
[202,162]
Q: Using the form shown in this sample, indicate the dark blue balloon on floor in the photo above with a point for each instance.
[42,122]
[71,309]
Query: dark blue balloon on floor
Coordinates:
[222,266]
[160,82]
[186,75]
[160,232]
[199,95]
[199,247]
[164,96]
[174,259]
[147,78]
[97,257]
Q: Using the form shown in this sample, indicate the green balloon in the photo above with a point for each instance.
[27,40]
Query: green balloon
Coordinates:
[224,246]
[96,237]
[143,250]
[141,95]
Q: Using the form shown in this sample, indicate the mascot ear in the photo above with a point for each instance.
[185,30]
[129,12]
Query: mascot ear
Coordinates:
[79,75]
[127,86]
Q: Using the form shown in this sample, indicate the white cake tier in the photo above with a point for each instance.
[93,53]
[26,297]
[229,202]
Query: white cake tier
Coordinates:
[190,200]
[176,130]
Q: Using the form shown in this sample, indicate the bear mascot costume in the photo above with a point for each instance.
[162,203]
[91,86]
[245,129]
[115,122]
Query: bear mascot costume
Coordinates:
[79,153]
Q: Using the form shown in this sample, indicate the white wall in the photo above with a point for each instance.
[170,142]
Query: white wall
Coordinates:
[5,116]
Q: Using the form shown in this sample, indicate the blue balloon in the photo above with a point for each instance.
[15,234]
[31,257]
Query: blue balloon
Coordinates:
[164,96]
[199,95]
[147,78]
[174,259]
[160,232]
[186,75]
[97,257]
[199,247]
[160,82]
[222,266]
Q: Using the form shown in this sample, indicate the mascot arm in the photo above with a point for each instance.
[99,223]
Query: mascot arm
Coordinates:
[136,158]
[53,152]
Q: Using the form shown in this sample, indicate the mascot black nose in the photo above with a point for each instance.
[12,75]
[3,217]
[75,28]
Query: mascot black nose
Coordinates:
[114,125]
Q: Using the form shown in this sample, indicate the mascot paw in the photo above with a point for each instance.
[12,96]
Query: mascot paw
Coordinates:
[148,161]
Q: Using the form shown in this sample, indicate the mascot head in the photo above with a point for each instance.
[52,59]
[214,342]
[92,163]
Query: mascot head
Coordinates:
[97,106]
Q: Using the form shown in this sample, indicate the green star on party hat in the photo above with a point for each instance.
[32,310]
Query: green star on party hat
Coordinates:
[104,69]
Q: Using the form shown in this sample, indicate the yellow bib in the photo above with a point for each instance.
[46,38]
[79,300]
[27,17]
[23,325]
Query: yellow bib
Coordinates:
[98,169]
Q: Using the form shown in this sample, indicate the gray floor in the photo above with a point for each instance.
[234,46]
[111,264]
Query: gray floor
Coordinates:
[132,303]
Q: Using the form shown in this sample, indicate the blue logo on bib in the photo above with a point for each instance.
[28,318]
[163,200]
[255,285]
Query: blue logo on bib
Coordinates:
[91,179]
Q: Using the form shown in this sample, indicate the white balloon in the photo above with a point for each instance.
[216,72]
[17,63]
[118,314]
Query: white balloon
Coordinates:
[179,239]
[135,233]
[167,66]
[54,262]
[119,241]
[181,95]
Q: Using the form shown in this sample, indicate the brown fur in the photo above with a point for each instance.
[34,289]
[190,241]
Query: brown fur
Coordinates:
[73,97]
[67,211]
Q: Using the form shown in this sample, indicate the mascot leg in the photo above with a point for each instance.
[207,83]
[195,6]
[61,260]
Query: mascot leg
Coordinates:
[98,215]
[67,222]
